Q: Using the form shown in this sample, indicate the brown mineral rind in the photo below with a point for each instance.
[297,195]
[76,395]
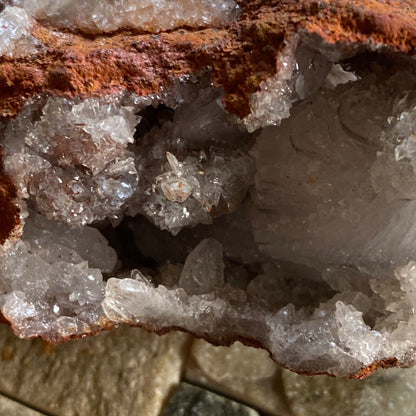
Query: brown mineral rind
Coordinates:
[239,55]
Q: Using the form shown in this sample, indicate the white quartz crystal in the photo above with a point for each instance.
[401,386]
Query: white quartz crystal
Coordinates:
[149,15]
[331,178]
[188,193]
[190,168]
[72,160]
[332,221]
[52,283]
[301,71]
[203,270]
[16,39]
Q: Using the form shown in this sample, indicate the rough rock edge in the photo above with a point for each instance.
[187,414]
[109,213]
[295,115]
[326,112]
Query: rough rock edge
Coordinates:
[11,227]
[240,56]
[107,325]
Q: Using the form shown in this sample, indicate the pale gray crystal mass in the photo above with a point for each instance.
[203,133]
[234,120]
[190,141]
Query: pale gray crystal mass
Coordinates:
[16,39]
[109,15]
[293,228]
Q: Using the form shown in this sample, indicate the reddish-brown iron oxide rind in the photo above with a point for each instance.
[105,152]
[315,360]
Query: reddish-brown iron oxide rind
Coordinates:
[239,55]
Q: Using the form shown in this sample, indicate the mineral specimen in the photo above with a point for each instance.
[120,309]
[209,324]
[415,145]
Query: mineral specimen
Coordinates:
[253,181]
[108,16]
[16,39]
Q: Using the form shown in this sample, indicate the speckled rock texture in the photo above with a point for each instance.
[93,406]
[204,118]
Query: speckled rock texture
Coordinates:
[385,393]
[123,372]
[246,374]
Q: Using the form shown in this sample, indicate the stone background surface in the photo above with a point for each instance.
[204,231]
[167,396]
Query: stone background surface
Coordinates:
[125,372]
[132,372]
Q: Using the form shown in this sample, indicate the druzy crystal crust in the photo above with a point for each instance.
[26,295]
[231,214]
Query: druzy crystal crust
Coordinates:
[289,226]
[16,39]
[99,16]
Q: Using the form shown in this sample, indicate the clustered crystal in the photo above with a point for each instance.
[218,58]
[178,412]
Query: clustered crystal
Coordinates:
[16,40]
[96,16]
[72,160]
[293,229]
[52,283]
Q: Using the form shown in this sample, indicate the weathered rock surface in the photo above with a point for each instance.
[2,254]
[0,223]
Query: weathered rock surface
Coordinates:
[10,407]
[127,371]
[385,393]
[247,374]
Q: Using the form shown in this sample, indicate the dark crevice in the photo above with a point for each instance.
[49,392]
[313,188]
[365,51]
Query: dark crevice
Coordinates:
[121,238]
[151,117]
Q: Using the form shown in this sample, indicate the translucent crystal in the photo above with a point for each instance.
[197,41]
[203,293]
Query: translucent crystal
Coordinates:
[188,192]
[301,72]
[72,161]
[309,253]
[324,199]
[190,171]
[204,268]
[332,221]
[149,15]
[51,282]
[16,39]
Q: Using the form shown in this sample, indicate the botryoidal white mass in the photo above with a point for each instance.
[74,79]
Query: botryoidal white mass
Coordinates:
[95,16]
[301,236]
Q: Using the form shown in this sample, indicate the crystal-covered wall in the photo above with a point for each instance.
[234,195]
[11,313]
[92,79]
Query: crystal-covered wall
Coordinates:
[214,173]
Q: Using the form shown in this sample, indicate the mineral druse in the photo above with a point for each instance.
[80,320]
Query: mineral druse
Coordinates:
[100,16]
[217,175]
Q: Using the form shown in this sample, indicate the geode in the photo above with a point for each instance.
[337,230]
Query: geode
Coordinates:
[240,170]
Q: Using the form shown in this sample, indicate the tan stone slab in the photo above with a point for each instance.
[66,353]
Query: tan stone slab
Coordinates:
[244,373]
[385,393]
[123,372]
[10,407]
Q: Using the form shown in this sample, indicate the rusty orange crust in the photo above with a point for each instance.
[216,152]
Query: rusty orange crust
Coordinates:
[240,55]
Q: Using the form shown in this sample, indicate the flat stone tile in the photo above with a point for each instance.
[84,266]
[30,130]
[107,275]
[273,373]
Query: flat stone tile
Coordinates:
[188,400]
[245,373]
[122,372]
[385,393]
[9,407]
